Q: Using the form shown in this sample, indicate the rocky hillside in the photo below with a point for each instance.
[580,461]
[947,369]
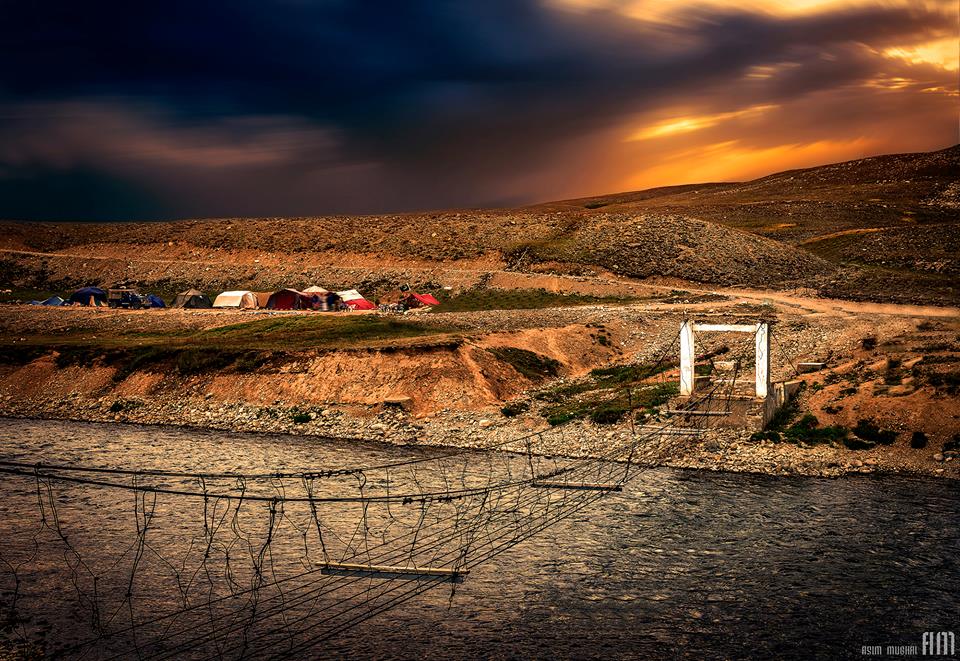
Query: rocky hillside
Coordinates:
[797,205]
[677,246]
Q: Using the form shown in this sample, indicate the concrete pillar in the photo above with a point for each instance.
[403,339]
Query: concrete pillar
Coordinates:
[763,359]
[687,357]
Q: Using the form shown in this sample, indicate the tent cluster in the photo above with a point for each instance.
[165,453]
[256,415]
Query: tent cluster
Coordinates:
[96,297]
[311,298]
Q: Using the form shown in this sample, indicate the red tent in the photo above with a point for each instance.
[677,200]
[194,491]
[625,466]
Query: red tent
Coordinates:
[360,304]
[287,299]
[416,300]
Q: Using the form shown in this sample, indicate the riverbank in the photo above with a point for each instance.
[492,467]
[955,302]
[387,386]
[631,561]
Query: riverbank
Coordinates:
[723,450]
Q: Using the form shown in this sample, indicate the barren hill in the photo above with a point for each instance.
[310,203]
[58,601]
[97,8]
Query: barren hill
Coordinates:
[891,223]
[881,228]
[797,205]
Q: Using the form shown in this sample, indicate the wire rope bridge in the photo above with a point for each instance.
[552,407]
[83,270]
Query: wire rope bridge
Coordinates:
[271,565]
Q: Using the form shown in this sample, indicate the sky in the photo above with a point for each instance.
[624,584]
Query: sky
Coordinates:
[181,109]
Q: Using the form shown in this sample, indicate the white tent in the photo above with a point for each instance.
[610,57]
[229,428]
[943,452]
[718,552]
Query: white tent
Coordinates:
[355,300]
[236,299]
[314,290]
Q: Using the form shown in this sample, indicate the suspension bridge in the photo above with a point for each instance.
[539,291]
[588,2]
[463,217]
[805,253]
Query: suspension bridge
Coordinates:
[228,565]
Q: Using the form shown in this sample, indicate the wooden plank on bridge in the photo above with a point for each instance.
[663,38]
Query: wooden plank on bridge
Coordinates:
[389,571]
[699,413]
[728,328]
[577,485]
[668,431]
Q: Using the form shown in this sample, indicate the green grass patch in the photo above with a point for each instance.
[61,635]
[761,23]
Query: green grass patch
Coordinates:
[138,359]
[609,405]
[532,365]
[185,361]
[473,300]
[618,375]
[309,331]
[805,430]
[789,426]
[607,395]
[279,333]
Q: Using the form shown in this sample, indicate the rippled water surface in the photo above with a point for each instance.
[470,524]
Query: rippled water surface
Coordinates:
[681,564]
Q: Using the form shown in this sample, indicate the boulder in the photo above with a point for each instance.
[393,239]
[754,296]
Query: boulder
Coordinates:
[400,401]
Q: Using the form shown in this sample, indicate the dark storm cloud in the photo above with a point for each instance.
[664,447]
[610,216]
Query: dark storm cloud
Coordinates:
[224,108]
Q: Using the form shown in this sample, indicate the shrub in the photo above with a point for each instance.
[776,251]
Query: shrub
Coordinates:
[918,440]
[82,356]
[868,431]
[560,417]
[140,359]
[251,361]
[514,409]
[807,429]
[531,365]
[121,405]
[608,414]
[869,343]
[301,418]
[854,443]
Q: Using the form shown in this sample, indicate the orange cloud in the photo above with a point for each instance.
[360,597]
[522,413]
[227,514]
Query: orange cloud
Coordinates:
[678,125]
[733,161]
[661,10]
[944,53]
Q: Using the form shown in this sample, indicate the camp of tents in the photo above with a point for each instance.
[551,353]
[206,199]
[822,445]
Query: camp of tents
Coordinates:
[311,298]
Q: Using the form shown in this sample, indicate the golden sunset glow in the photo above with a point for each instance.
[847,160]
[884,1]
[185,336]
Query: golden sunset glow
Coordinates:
[733,161]
[688,124]
[656,10]
[944,53]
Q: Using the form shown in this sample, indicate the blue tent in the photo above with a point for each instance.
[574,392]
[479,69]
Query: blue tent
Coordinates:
[89,296]
[53,300]
[155,301]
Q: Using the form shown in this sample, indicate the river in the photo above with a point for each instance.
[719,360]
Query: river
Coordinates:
[680,564]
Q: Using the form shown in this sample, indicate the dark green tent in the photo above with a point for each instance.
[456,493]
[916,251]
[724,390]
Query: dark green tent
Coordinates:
[192,299]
